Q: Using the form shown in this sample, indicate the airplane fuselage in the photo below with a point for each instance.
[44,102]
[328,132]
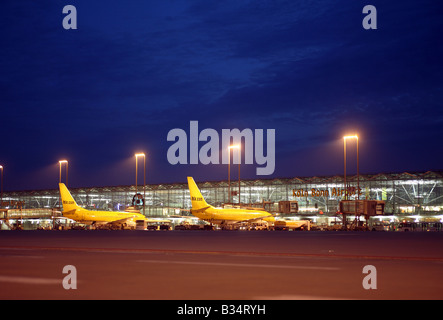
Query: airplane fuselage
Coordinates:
[219,216]
[101,217]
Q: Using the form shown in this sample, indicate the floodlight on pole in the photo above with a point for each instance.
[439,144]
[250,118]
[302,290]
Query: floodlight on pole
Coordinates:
[61,162]
[358,171]
[229,171]
[1,201]
[141,154]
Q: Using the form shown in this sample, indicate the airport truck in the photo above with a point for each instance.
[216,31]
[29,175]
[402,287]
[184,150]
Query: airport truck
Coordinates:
[292,225]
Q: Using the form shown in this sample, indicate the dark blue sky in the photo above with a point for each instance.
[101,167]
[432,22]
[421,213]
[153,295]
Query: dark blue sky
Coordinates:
[134,70]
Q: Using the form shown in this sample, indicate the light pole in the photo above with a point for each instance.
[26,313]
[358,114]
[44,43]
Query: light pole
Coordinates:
[60,171]
[1,201]
[229,171]
[358,177]
[144,176]
[358,171]
[60,163]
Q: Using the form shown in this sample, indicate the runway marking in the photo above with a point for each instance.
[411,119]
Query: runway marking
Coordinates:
[297,297]
[30,280]
[185,251]
[20,256]
[248,265]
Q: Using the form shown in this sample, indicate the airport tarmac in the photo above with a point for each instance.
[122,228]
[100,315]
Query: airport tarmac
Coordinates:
[221,265]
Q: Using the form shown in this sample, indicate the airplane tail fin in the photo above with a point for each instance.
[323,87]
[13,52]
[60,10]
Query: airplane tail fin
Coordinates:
[197,200]
[67,200]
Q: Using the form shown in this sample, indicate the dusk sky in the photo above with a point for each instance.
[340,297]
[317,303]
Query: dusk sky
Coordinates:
[134,70]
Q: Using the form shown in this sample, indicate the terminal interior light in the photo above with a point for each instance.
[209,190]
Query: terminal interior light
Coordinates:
[350,137]
[63,161]
[139,155]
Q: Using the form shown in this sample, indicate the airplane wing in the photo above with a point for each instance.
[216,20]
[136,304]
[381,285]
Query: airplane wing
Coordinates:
[124,220]
[256,219]
[121,220]
[201,209]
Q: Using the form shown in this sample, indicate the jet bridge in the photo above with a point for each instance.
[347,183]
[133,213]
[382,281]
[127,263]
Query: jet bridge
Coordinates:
[358,208]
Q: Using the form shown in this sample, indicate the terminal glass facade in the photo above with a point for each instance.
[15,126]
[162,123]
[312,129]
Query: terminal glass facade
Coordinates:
[405,194]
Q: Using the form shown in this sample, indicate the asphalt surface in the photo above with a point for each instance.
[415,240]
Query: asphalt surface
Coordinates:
[220,265]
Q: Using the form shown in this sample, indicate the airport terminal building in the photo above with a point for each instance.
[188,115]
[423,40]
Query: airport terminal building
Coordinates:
[406,195]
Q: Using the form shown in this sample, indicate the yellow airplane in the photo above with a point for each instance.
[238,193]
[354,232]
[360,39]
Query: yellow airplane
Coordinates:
[72,211]
[223,217]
